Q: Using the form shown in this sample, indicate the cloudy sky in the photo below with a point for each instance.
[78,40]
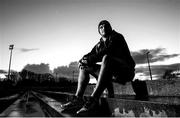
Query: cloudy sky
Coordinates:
[58,32]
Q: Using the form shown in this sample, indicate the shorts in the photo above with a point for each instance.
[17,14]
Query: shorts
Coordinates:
[123,75]
[120,75]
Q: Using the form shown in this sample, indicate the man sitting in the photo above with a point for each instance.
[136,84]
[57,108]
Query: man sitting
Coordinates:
[113,52]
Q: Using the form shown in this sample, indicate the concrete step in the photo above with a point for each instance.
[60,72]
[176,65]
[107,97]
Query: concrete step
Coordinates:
[119,107]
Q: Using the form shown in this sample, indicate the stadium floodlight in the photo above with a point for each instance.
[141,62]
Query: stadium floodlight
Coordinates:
[10,48]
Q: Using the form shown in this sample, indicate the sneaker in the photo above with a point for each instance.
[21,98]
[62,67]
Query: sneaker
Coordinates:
[72,104]
[90,105]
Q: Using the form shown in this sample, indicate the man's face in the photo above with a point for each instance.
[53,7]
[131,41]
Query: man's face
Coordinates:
[103,30]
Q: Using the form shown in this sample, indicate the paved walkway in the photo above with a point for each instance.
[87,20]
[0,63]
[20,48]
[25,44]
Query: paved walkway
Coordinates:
[24,108]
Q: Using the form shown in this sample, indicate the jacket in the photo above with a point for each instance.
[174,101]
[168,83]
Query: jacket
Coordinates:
[115,46]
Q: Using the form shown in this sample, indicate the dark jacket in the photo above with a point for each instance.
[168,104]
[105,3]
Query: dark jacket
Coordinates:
[115,46]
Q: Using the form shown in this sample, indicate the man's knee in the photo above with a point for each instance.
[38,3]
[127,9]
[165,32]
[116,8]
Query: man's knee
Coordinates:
[86,69]
[106,59]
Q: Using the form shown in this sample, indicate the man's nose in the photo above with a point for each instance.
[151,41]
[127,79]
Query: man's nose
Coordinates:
[103,28]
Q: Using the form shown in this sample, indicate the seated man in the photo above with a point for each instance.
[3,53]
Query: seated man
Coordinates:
[112,51]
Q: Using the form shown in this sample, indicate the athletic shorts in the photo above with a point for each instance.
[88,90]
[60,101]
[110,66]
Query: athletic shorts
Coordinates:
[120,75]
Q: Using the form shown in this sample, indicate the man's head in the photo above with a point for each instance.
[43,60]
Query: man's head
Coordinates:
[104,28]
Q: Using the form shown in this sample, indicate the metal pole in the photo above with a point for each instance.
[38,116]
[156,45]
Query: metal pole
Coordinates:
[10,48]
[149,65]
[73,76]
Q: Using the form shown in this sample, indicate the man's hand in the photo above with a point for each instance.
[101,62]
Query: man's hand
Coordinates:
[83,63]
[81,66]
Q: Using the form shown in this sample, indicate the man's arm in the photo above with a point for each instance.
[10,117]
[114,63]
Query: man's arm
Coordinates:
[92,57]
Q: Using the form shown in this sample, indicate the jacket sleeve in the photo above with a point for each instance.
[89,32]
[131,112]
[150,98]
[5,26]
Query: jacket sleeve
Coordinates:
[94,56]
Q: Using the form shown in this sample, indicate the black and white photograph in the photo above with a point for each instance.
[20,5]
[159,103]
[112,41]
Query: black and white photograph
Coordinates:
[89,58]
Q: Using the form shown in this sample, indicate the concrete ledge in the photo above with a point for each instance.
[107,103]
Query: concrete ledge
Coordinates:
[134,108]
[48,110]
[125,108]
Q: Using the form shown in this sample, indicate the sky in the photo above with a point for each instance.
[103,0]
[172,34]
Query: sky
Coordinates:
[58,32]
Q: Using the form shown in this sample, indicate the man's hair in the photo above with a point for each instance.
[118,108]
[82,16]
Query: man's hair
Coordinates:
[107,24]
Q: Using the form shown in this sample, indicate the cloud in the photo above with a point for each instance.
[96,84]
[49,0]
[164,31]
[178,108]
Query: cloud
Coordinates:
[158,54]
[38,68]
[68,71]
[157,70]
[27,50]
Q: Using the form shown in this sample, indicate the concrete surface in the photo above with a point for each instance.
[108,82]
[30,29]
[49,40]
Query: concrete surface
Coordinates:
[125,108]
[24,108]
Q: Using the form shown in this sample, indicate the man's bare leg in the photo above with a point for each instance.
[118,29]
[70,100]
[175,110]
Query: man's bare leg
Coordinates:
[83,81]
[104,77]
[110,87]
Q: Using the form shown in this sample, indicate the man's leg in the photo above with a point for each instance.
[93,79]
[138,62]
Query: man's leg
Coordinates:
[104,77]
[95,72]
[77,101]
[110,88]
[83,81]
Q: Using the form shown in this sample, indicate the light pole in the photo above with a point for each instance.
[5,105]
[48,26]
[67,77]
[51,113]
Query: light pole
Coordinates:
[149,64]
[10,48]
[73,76]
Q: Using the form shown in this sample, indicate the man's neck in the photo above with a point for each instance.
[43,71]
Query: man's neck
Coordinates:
[105,38]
